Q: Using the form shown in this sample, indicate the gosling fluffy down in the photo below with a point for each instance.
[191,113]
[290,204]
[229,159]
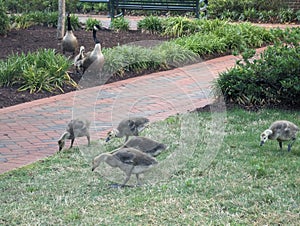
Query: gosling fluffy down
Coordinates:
[146,145]
[75,128]
[281,131]
[129,160]
[128,127]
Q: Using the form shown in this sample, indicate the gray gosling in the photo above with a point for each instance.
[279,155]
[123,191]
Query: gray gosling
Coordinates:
[146,145]
[95,57]
[128,127]
[281,130]
[69,41]
[78,58]
[129,160]
[75,128]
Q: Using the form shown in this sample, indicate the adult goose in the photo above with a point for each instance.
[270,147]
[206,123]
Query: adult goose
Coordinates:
[129,160]
[128,127]
[281,130]
[75,128]
[95,57]
[69,41]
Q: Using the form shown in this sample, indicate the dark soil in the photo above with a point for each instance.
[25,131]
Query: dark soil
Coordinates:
[37,37]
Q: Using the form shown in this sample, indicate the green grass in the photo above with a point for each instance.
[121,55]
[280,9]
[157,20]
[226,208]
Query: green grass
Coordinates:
[244,184]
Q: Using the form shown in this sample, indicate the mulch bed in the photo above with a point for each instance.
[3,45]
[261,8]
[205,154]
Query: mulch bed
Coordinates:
[38,37]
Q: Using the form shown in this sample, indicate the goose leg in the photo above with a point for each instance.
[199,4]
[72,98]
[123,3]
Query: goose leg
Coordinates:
[280,144]
[138,180]
[127,177]
[291,144]
[89,140]
[126,138]
[72,142]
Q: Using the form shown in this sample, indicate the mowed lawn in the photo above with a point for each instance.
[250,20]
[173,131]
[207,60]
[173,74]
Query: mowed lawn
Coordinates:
[223,177]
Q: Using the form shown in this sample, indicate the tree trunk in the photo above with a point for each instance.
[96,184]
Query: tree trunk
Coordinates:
[61,19]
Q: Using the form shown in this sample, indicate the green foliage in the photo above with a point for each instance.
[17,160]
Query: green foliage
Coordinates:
[24,6]
[153,24]
[4,19]
[43,70]
[90,23]
[179,26]
[272,79]
[252,10]
[35,18]
[120,59]
[215,36]
[120,24]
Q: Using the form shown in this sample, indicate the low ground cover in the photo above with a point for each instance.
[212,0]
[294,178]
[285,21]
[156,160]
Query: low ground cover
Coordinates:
[243,184]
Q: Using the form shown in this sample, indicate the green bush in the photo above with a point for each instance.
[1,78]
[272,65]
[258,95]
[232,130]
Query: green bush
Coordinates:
[90,23]
[179,26]
[24,6]
[42,70]
[252,10]
[274,79]
[120,24]
[217,37]
[4,19]
[153,24]
[120,59]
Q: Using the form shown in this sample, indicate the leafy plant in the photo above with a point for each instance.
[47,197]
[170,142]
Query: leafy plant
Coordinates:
[153,24]
[179,26]
[91,22]
[26,20]
[120,24]
[272,79]
[43,70]
[4,19]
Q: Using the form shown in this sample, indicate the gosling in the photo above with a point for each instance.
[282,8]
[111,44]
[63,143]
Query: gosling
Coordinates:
[77,60]
[129,160]
[128,127]
[146,145]
[281,130]
[75,128]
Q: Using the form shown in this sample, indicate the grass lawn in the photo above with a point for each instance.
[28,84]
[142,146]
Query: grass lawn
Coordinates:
[237,182]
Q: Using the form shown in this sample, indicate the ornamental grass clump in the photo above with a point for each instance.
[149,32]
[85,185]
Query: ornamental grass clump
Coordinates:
[41,70]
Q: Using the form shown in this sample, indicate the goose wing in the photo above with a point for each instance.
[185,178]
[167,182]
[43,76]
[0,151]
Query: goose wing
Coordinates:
[134,157]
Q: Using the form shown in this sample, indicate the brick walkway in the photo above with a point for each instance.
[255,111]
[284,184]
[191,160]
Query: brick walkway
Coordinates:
[29,131]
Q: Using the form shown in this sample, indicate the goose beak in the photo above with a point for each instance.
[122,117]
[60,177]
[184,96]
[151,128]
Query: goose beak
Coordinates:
[107,139]
[261,143]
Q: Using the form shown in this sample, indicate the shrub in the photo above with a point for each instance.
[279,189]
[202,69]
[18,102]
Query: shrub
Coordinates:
[120,24]
[153,24]
[274,79]
[252,10]
[4,19]
[42,70]
[179,26]
[90,23]
[37,18]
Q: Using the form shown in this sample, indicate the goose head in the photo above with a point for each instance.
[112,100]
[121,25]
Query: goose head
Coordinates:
[81,50]
[62,140]
[111,134]
[265,136]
